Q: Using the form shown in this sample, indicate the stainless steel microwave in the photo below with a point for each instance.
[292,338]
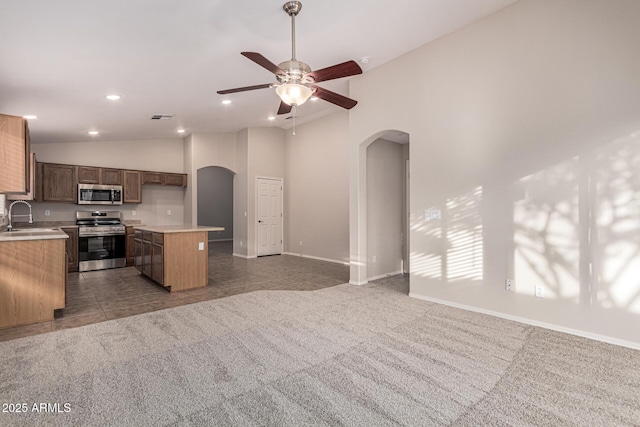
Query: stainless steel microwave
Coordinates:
[93,194]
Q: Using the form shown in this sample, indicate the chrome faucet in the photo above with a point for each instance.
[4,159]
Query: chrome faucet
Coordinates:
[10,227]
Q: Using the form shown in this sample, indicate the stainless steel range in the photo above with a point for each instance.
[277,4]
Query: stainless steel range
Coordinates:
[102,240]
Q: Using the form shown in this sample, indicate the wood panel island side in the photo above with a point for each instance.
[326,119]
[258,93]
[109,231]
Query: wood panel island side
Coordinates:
[174,256]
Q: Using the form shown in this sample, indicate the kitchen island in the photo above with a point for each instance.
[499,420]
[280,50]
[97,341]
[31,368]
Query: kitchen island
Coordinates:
[174,256]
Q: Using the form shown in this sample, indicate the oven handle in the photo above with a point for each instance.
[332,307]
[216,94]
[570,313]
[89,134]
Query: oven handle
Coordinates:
[117,233]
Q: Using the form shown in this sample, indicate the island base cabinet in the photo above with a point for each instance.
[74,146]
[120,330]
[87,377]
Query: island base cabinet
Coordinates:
[174,260]
[32,281]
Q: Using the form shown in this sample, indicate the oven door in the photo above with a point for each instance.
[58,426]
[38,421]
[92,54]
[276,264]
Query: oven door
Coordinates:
[100,252]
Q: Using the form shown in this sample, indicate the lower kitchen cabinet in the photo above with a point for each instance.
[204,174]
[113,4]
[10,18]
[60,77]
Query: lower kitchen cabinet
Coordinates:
[130,246]
[32,280]
[175,260]
[71,247]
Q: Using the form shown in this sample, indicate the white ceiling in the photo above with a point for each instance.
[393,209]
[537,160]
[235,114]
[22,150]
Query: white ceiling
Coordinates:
[59,59]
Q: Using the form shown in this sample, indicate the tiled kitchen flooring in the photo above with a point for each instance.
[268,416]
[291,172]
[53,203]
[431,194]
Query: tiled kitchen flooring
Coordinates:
[97,296]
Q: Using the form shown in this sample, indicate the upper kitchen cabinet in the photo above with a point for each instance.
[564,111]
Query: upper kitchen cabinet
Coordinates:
[88,175]
[14,154]
[59,183]
[164,178]
[95,175]
[110,176]
[132,187]
[152,178]
[178,179]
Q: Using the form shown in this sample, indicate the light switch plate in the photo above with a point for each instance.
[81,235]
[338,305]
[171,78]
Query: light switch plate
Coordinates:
[201,246]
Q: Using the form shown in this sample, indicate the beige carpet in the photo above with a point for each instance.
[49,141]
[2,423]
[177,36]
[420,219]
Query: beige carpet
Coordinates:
[346,355]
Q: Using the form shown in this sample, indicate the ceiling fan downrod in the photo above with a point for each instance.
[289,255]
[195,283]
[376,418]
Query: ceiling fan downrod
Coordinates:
[293,8]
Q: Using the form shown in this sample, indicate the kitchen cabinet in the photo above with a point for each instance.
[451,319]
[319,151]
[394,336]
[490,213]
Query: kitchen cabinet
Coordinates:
[31,195]
[132,187]
[110,176]
[32,280]
[178,179]
[152,178]
[14,154]
[175,257]
[72,247]
[138,250]
[88,175]
[103,176]
[130,246]
[59,183]
[157,258]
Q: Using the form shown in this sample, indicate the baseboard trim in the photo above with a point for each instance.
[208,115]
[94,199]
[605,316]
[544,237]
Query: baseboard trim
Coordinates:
[244,256]
[316,257]
[551,326]
[355,282]
[220,240]
[382,276]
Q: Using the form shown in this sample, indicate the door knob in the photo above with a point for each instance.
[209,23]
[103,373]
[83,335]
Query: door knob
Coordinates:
[260,221]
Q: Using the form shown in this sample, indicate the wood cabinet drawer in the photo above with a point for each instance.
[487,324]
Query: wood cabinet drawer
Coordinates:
[158,238]
[146,236]
[138,234]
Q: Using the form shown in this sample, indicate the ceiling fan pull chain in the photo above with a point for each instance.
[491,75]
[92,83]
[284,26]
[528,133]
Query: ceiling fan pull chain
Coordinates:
[294,120]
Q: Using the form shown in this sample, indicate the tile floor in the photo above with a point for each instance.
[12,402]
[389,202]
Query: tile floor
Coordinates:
[97,296]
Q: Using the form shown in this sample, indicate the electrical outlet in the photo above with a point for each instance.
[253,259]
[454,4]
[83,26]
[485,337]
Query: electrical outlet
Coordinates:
[134,213]
[539,291]
[201,246]
[375,259]
[168,212]
[510,285]
[47,212]
[240,242]
[300,242]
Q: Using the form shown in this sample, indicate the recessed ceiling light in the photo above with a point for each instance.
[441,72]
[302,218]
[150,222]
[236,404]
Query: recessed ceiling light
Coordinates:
[93,132]
[314,98]
[30,117]
[271,118]
[181,131]
[226,102]
[113,97]
[364,60]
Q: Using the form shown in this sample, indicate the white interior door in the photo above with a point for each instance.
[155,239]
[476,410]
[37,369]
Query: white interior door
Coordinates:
[270,219]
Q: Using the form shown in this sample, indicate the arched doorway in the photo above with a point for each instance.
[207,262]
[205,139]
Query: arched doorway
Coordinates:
[215,201]
[380,208]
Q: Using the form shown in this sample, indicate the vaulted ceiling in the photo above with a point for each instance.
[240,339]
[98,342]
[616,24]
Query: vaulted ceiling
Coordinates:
[59,59]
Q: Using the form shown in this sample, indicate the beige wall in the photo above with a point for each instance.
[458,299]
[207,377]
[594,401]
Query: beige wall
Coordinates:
[200,151]
[266,160]
[524,133]
[385,208]
[165,155]
[240,195]
[317,188]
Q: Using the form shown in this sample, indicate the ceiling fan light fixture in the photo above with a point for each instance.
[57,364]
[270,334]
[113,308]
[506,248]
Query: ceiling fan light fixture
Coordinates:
[293,93]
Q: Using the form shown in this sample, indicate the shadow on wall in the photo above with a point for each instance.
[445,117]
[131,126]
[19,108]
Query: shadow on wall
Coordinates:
[581,241]
[454,235]
[574,231]
[215,200]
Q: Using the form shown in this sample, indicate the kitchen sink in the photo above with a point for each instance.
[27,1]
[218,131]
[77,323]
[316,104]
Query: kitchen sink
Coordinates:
[16,232]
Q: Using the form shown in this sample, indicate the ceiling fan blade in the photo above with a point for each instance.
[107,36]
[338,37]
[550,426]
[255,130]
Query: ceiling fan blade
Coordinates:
[334,98]
[346,69]
[284,108]
[244,89]
[263,62]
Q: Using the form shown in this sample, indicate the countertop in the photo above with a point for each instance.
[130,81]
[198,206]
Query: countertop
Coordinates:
[33,234]
[184,228]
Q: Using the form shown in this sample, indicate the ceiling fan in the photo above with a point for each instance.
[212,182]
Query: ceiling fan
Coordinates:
[296,82]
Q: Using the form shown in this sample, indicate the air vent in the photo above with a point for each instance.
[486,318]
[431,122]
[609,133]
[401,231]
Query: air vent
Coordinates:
[291,117]
[161,117]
